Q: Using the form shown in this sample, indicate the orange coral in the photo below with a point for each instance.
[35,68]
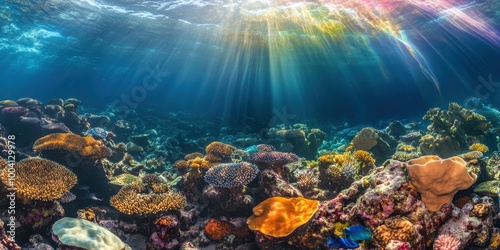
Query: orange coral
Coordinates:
[85,146]
[438,180]
[279,216]
[218,229]
[40,179]
[181,164]
[192,156]
[136,199]
[363,156]
[479,147]
[220,149]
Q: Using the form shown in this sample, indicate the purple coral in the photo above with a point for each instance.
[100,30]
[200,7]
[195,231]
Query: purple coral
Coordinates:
[274,158]
[231,175]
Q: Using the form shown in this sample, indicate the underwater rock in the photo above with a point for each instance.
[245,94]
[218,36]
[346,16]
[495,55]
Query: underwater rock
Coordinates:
[468,227]
[395,129]
[305,142]
[229,199]
[274,185]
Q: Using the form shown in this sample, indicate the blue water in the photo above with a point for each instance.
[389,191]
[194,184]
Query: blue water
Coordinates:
[180,56]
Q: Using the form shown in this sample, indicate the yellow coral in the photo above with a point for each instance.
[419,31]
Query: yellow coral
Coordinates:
[220,149]
[40,179]
[85,146]
[406,148]
[192,156]
[479,147]
[395,229]
[279,216]
[135,199]
[363,156]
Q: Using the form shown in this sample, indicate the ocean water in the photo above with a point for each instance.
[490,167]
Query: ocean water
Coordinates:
[234,59]
[190,72]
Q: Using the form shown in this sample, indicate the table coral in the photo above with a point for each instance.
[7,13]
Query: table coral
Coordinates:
[438,180]
[231,175]
[85,146]
[40,179]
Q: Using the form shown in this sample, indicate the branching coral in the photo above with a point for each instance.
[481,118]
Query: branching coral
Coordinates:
[138,199]
[479,147]
[40,179]
[85,146]
[364,157]
[273,159]
[279,217]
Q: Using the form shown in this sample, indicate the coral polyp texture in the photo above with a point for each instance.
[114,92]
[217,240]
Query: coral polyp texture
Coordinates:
[137,199]
[81,234]
[438,180]
[40,179]
[85,146]
[231,175]
[273,158]
[279,217]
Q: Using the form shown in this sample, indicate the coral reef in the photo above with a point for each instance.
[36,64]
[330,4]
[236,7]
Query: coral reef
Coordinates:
[231,175]
[85,146]
[139,198]
[451,129]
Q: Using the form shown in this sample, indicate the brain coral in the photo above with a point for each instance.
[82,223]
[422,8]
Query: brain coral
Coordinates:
[365,139]
[85,146]
[395,229]
[279,217]
[137,199]
[40,179]
[231,174]
[82,234]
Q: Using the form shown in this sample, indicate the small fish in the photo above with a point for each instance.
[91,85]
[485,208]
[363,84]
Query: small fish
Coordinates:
[94,197]
[357,233]
[341,243]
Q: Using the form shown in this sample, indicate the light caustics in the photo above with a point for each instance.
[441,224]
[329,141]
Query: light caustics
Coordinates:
[345,28]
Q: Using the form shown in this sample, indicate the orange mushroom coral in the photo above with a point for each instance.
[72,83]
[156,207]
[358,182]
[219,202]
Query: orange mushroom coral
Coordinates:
[279,217]
[438,180]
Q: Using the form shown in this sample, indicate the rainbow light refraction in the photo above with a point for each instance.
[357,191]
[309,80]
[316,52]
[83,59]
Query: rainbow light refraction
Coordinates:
[287,27]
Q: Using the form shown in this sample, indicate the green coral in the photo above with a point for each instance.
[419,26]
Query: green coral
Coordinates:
[83,234]
[451,129]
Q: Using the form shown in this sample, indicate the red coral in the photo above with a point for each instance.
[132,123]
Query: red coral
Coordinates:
[217,229]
